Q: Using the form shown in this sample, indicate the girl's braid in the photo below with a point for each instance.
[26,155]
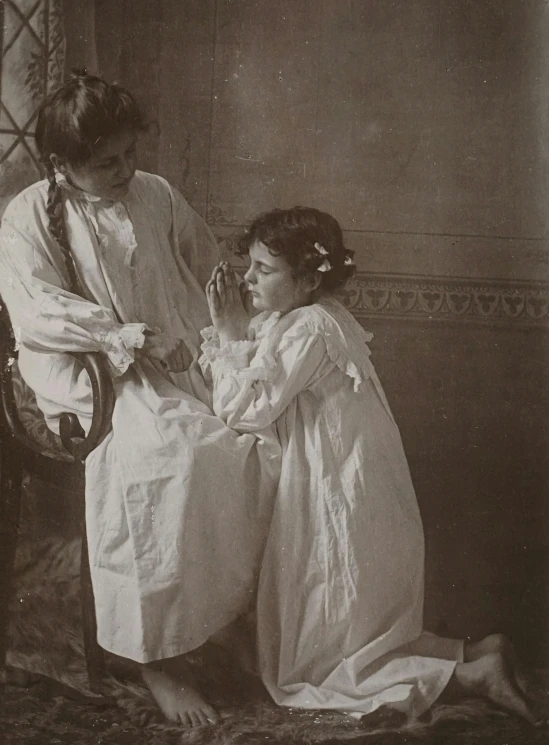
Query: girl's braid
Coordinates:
[58,228]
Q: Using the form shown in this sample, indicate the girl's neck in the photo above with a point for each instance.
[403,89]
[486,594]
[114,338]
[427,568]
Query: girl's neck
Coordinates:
[316,296]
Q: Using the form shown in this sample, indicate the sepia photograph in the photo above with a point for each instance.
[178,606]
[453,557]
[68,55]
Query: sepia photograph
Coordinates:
[274,372]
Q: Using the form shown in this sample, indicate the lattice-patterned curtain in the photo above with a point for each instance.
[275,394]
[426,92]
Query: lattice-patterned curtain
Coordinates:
[33,56]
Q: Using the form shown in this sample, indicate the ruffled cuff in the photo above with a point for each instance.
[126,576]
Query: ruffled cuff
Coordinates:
[234,355]
[120,343]
[210,336]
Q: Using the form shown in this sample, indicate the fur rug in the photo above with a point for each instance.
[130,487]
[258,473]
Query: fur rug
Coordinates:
[46,698]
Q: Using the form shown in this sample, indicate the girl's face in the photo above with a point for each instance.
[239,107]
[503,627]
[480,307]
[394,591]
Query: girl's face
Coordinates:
[272,284]
[109,171]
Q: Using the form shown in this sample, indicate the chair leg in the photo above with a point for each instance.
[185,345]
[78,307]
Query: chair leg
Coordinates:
[95,656]
[11,476]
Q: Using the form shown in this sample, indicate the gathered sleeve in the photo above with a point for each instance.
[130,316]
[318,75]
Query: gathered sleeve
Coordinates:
[252,386]
[48,318]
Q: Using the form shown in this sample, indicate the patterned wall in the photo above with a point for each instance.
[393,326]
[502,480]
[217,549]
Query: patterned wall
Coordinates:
[447,299]
[33,50]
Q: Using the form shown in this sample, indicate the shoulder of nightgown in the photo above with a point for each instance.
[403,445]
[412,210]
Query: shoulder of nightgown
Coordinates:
[154,195]
[164,202]
[345,339]
[27,210]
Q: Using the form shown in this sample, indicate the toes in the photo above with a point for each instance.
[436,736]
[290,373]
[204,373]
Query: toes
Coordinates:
[195,719]
[523,710]
[505,692]
[198,717]
[211,714]
[511,699]
[203,719]
[145,718]
[185,720]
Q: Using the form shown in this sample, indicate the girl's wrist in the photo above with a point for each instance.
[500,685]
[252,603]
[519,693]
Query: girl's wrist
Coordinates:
[228,335]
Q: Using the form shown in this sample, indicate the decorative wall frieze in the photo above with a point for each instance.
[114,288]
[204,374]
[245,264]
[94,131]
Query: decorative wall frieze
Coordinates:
[448,298]
[432,298]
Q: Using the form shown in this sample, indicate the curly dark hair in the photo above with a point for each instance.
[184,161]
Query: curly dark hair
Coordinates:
[295,234]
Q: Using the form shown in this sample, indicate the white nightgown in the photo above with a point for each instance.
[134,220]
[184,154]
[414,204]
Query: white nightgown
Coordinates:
[177,503]
[340,602]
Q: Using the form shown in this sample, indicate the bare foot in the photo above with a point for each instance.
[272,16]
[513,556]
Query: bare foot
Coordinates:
[526,680]
[499,644]
[491,677]
[176,692]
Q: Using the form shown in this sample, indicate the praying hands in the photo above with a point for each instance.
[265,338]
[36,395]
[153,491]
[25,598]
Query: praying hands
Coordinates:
[228,300]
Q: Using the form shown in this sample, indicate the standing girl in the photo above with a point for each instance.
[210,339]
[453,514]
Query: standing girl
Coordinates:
[101,257]
[340,600]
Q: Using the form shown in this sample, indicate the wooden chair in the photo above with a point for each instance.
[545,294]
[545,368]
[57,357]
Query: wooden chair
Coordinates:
[62,465]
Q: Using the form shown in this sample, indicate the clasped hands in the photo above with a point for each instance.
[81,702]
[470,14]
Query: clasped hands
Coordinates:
[172,353]
[230,304]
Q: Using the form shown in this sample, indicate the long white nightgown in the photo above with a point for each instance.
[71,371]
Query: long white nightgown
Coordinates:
[340,603]
[177,503]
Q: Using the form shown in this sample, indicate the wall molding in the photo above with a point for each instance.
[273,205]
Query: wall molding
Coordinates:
[429,298]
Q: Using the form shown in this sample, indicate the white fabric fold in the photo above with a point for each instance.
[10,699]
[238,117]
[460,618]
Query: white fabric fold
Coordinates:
[340,600]
[176,502]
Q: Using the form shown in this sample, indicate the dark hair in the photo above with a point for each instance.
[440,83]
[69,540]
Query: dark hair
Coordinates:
[297,234]
[72,123]
[75,119]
